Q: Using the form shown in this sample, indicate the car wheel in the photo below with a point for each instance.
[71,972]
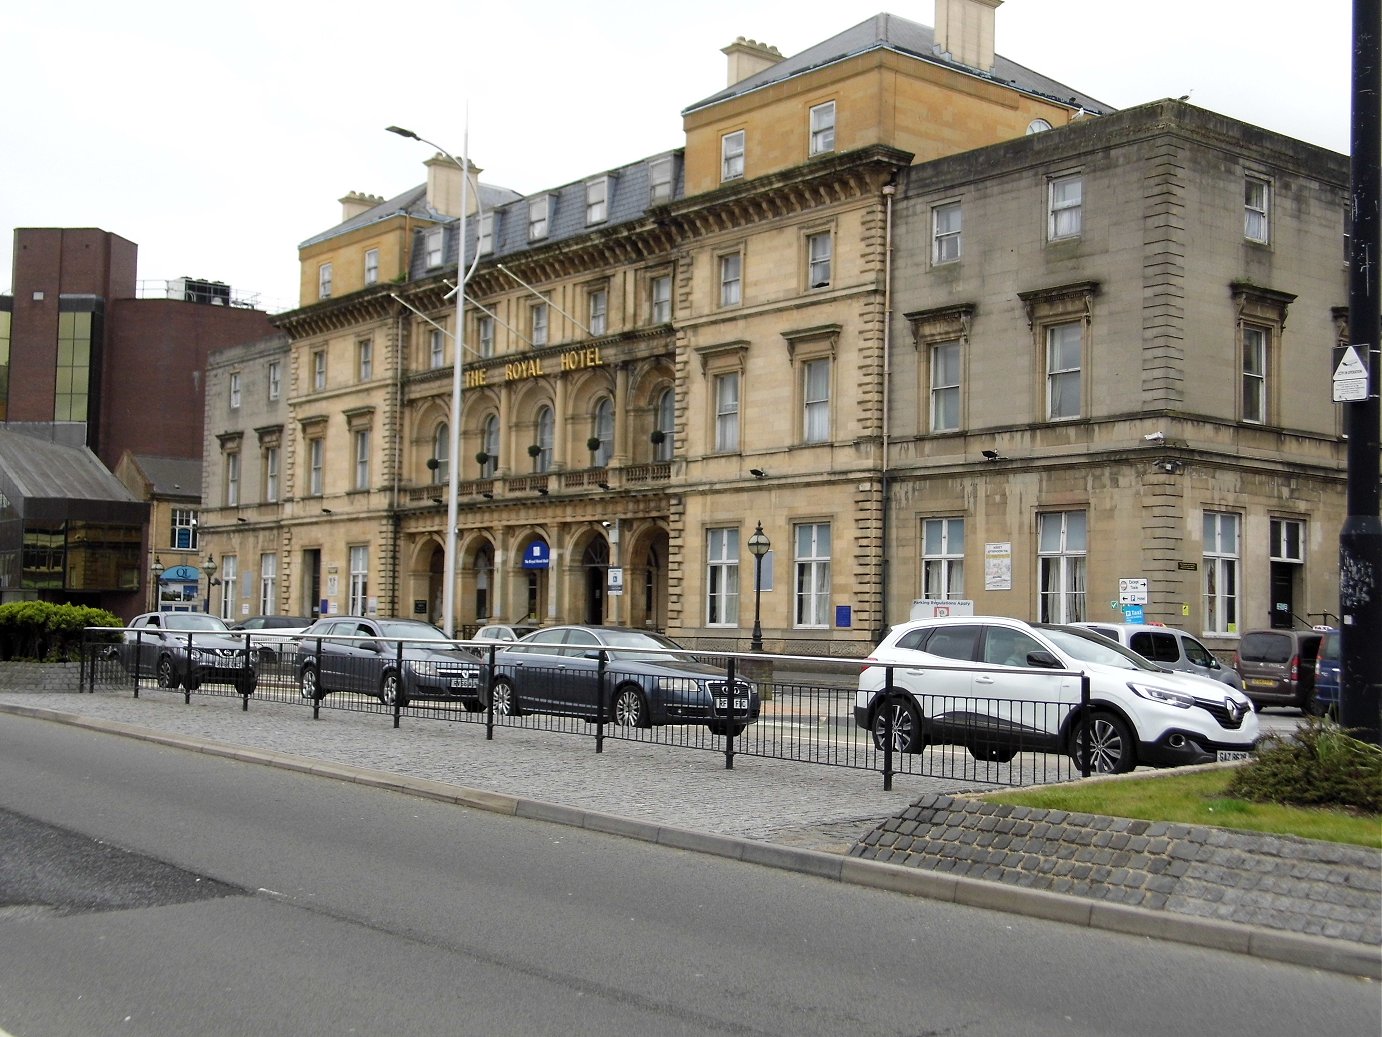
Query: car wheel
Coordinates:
[167,674]
[630,709]
[1111,744]
[901,713]
[1315,708]
[267,657]
[506,698]
[307,684]
[246,683]
[391,691]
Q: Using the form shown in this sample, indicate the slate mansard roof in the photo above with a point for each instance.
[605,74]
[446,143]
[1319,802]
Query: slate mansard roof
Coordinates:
[889,32]
[628,198]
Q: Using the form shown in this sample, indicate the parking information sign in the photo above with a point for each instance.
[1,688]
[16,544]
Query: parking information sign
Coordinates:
[1132,592]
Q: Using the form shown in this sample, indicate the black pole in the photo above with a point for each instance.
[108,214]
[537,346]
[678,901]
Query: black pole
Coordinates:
[756,644]
[1360,541]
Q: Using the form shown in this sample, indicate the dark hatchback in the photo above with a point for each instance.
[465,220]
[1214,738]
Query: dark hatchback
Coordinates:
[395,660]
[188,649]
[649,680]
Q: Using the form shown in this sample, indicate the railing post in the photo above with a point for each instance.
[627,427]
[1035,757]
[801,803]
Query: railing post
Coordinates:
[317,663]
[730,688]
[187,674]
[1084,726]
[601,678]
[487,683]
[398,698]
[888,732]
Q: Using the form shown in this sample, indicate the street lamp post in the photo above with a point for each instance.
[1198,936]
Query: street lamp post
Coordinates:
[453,470]
[157,570]
[208,567]
[759,545]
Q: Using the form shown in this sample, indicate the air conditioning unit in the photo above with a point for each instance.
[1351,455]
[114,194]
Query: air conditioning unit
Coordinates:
[189,289]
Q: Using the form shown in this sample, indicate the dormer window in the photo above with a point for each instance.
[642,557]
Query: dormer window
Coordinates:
[597,200]
[433,247]
[732,155]
[660,180]
[485,239]
[538,210]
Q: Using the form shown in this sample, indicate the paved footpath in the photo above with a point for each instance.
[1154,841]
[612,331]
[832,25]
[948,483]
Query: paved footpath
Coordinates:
[832,822]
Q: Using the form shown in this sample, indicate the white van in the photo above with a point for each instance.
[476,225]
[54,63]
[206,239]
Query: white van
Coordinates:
[1169,647]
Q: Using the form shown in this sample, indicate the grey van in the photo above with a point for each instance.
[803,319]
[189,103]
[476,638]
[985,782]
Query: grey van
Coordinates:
[1169,647]
[1278,666]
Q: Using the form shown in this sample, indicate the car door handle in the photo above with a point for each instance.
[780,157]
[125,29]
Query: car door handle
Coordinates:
[983,678]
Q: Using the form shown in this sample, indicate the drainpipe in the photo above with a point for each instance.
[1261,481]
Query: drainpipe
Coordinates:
[880,626]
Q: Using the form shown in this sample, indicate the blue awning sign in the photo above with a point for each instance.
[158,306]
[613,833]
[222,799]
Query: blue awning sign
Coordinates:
[537,555]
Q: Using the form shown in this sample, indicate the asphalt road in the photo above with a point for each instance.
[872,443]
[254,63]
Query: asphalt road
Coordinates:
[332,908]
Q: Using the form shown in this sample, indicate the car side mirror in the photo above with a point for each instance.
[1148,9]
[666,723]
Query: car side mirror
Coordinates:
[1041,657]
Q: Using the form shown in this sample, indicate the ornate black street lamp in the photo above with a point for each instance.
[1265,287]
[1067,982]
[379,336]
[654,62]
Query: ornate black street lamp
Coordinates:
[759,545]
[208,567]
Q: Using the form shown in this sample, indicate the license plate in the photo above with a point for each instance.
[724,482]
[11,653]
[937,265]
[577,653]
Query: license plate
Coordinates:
[464,682]
[1258,682]
[739,703]
[1229,755]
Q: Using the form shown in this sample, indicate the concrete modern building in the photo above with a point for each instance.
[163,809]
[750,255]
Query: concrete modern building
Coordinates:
[759,328]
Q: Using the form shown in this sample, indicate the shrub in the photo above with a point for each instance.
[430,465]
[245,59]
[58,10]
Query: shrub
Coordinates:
[1316,765]
[48,632]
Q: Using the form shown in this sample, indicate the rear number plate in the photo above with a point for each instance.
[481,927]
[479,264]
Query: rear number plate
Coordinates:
[1258,682]
[1229,755]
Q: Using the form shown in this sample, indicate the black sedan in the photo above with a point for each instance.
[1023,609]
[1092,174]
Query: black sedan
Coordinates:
[187,648]
[395,660]
[648,680]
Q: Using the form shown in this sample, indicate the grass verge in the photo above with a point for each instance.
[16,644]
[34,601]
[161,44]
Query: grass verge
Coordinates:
[1199,798]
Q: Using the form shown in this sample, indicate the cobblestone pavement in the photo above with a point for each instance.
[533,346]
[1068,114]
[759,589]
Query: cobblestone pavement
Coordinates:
[1278,882]
[1206,886]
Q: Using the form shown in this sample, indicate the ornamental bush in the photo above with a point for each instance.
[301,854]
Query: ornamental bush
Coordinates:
[47,632]
[1318,764]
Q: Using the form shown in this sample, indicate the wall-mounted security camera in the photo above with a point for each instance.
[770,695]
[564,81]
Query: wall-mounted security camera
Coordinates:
[1155,437]
[606,523]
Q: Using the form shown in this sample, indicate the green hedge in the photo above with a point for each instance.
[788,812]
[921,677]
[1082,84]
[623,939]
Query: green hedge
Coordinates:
[48,632]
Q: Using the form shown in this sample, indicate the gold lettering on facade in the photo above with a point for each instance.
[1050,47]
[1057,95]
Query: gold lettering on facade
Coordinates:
[476,378]
[578,359]
[522,369]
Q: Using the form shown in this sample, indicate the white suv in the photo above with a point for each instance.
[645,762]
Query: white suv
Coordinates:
[1001,686]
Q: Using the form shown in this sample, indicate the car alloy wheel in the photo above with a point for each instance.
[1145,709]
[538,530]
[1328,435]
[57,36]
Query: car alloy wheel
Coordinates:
[1111,748]
[307,684]
[391,689]
[505,698]
[901,714]
[167,676]
[629,708]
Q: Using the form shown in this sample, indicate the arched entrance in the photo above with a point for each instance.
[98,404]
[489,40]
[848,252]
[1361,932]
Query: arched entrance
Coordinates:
[595,566]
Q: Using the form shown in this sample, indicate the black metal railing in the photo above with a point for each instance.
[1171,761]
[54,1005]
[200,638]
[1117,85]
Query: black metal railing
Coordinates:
[798,709]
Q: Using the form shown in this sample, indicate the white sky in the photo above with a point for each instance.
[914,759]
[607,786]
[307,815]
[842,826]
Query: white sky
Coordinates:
[219,136]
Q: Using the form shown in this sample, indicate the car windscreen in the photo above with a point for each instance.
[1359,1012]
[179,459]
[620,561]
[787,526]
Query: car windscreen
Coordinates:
[195,622]
[423,634]
[625,645]
[1088,647]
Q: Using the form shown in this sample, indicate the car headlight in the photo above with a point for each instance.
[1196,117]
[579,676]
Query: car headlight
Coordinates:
[195,653]
[684,685]
[1163,695]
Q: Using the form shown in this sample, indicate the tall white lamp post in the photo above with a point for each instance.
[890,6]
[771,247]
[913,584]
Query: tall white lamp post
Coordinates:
[453,470]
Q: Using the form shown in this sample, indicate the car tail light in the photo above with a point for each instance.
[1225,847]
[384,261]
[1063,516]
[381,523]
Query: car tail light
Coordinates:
[1295,668]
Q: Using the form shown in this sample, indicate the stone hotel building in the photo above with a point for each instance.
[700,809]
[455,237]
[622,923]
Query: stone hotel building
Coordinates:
[946,328]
